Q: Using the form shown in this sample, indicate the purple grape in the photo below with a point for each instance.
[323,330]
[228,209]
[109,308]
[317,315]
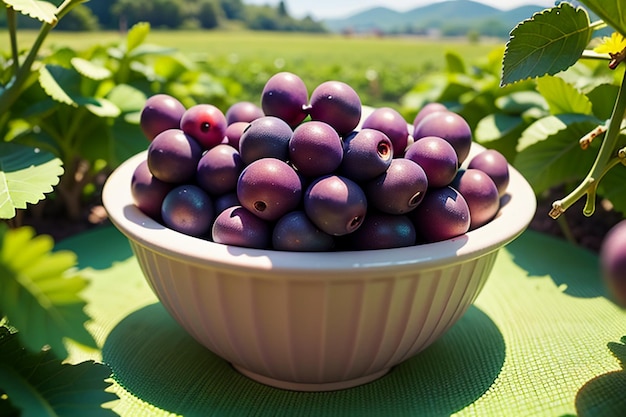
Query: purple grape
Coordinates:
[234,132]
[335,204]
[494,164]
[224,201]
[188,209]
[429,108]
[366,154]
[218,169]
[285,96]
[337,104]
[173,156]
[266,137]
[315,149]
[160,112]
[269,188]
[295,232]
[399,189]
[449,126]
[613,262]
[148,192]
[443,214]
[480,193]
[382,231]
[391,123]
[437,157]
[238,227]
[243,111]
[205,123]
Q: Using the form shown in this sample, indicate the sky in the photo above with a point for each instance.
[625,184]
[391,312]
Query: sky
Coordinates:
[323,9]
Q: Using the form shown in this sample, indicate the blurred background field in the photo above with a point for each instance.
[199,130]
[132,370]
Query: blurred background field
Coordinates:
[383,69]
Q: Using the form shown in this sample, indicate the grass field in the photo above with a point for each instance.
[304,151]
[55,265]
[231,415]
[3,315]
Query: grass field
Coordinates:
[382,69]
[323,48]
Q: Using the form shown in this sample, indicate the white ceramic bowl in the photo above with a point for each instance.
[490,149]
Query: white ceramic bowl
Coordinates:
[314,321]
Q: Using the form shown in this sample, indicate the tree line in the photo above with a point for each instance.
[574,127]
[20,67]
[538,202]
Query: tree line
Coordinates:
[177,14]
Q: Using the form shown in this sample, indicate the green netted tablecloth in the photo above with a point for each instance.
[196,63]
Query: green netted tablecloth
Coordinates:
[542,339]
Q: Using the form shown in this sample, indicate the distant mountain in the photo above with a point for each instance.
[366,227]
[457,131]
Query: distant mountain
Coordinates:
[452,17]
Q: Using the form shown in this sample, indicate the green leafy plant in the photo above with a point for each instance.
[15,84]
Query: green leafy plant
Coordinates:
[584,102]
[41,307]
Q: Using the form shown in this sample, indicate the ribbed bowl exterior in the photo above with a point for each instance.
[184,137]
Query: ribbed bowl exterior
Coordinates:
[311,329]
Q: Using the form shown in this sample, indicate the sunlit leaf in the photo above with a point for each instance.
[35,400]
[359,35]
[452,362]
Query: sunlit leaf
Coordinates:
[500,131]
[40,291]
[137,35]
[613,12]
[127,98]
[563,98]
[44,11]
[52,78]
[26,174]
[63,85]
[103,108]
[41,385]
[520,101]
[90,70]
[547,43]
[549,152]
[494,126]
[454,63]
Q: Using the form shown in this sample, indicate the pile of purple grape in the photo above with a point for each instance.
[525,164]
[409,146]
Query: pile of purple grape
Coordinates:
[303,173]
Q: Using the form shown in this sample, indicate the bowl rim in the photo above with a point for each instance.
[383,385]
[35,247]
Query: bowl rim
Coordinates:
[517,211]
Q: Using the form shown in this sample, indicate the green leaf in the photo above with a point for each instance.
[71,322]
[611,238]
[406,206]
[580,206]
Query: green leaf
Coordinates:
[40,291]
[26,174]
[454,63]
[103,108]
[137,35]
[613,12]
[494,126]
[500,131]
[63,85]
[52,78]
[547,43]
[549,152]
[127,98]
[563,98]
[613,187]
[520,101]
[603,99]
[44,11]
[90,70]
[41,385]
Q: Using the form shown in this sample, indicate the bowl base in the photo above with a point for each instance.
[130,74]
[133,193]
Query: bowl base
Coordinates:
[311,387]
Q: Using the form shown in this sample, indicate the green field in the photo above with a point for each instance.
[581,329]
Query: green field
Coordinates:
[382,69]
[323,48]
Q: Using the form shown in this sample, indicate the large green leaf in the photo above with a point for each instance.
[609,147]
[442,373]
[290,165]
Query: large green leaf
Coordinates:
[40,291]
[549,152]
[547,43]
[41,385]
[563,98]
[43,11]
[63,85]
[26,174]
[613,12]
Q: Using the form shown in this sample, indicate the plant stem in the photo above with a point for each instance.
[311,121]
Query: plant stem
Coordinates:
[14,89]
[589,185]
[12,24]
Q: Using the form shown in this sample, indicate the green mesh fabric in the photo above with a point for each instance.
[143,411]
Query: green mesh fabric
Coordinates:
[541,340]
